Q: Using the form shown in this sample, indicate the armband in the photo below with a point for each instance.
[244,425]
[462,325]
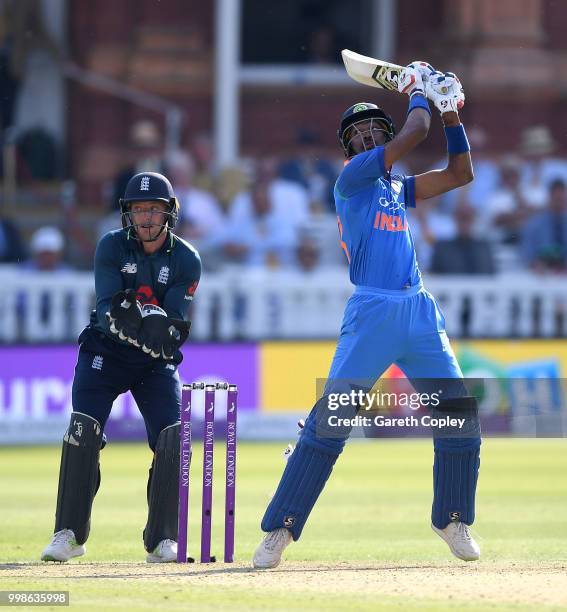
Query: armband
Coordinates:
[456,140]
[418,101]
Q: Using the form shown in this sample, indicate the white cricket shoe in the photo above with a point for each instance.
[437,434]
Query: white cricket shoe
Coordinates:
[269,553]
[460,541]
[164,552]
[63,547]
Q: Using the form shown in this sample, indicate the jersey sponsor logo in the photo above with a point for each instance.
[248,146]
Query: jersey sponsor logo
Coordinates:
[145,183]
[145,295]
[97,362]
[192,288]
[163,275]
[391,205]
[390,223]
[129,268]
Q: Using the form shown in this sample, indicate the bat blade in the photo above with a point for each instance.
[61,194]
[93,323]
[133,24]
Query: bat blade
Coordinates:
[370,71]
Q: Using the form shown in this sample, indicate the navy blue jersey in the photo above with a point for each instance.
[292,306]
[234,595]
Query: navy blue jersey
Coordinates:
[373,225]
[167,278]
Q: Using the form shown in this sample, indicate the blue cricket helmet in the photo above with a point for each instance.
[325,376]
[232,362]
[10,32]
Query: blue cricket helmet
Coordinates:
[362,111]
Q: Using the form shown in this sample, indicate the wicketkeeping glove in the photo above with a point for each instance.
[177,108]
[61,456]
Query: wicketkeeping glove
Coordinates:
[125,315]
[160,335]
[178,333]
[445,91]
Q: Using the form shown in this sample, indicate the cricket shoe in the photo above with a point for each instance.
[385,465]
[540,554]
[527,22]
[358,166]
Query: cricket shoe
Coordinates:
[269,553]
[63,547]
[164,552]
[460,541]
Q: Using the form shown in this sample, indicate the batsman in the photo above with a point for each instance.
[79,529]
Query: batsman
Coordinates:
[145,279]
[391,317]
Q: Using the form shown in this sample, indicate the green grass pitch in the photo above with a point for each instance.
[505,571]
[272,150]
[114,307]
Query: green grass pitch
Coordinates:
[367,545]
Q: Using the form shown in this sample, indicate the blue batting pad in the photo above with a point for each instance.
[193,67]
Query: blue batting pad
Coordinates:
[304,477]
[455,475]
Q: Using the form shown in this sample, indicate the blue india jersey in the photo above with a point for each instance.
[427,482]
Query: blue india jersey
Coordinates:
[373,226]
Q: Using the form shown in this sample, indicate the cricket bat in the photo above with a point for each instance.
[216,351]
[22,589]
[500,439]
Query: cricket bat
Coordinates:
[370,71]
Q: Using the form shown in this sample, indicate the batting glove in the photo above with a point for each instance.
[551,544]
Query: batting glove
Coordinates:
[414,77]
[446,92]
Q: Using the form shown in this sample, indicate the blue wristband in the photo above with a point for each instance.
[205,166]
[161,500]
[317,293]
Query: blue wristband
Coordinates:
[418,101]
[456,140]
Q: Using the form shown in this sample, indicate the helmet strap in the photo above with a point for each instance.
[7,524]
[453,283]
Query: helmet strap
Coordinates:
[133,232]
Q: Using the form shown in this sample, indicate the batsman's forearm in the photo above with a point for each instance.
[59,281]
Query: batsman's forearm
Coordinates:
[460,166]
[415,130]
[418,121]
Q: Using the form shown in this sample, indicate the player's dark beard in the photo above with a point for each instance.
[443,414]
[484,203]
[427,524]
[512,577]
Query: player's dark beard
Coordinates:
[365,139]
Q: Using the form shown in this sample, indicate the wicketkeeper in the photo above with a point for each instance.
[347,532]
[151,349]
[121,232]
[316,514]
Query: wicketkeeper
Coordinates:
[390,318]
[145,279]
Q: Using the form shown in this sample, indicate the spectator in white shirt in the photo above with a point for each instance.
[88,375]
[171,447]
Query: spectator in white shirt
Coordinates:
[201,217]
[259,235]
[288,198]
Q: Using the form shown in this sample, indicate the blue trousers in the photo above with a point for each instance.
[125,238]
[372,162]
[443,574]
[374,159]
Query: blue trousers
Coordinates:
[403,327]
[379,328]
[100,379]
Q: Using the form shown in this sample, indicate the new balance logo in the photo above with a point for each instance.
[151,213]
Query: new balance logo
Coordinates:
[97,363]
[130,268]
[145,184]
[170,366]
[163,275]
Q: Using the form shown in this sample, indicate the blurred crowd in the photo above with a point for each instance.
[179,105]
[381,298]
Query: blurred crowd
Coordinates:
[279,212]
[511,217]
[275,211]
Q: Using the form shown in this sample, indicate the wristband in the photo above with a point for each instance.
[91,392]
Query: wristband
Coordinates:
[456,140]
[418,101]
